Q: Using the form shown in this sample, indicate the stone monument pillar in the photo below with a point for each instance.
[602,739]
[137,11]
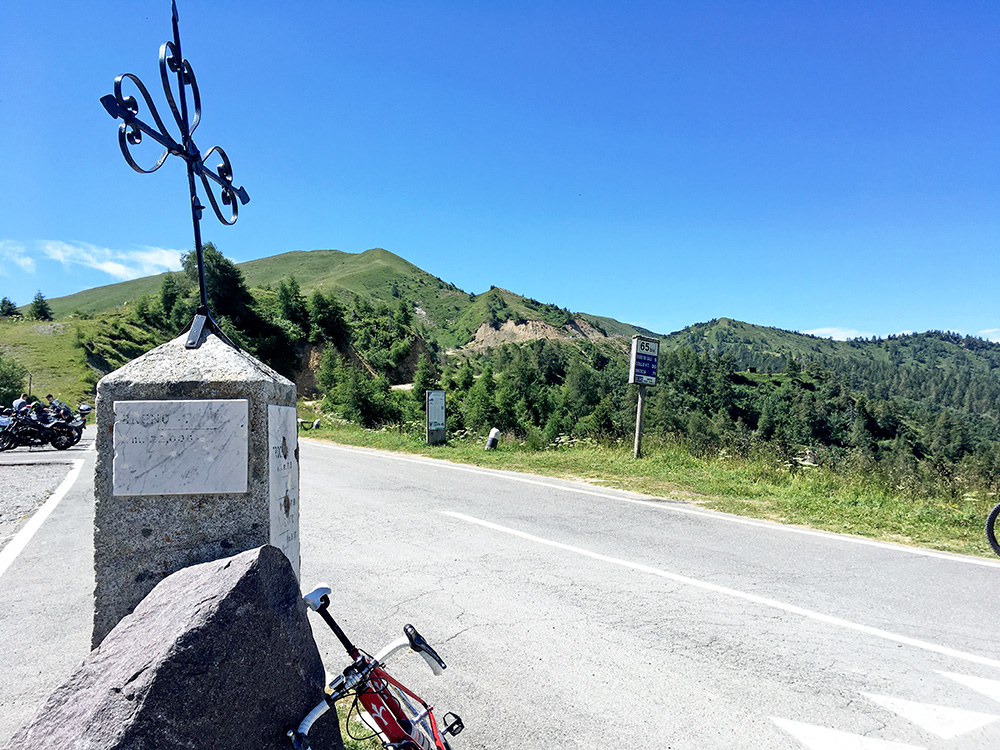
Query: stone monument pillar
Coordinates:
[197,459]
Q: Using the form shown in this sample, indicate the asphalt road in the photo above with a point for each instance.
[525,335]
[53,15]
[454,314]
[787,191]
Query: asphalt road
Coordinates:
[46,576]
[578,617]
[573,616]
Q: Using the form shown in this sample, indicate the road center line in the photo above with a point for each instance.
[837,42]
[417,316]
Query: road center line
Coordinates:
[661,505]
[754,598]
[15,546]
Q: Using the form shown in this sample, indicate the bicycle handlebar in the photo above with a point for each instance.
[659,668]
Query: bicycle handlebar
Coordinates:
[403,644]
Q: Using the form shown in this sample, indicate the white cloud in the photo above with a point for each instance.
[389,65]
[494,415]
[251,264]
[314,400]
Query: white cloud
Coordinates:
[13,254]
[120,264]
[991,334]
[838,334]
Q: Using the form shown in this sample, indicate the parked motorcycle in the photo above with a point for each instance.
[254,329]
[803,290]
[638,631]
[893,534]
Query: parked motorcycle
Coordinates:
[60,411]
[34,426]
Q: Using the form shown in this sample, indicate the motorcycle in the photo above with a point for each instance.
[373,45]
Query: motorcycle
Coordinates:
[35,427]
[59,410]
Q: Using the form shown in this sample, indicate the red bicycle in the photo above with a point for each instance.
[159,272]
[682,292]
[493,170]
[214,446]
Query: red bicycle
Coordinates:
[398,717]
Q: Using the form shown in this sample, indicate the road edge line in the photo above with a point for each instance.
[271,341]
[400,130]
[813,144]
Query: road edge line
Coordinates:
[736,593]
[16,545]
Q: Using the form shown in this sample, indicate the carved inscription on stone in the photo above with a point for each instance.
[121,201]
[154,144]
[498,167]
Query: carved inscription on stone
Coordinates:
[283,469]
[185,447]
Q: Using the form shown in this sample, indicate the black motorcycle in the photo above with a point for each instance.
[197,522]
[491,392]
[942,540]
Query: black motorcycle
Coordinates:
[35,427]
[58,410]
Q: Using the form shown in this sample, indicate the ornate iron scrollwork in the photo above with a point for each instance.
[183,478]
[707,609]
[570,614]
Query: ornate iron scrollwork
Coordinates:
[131,132]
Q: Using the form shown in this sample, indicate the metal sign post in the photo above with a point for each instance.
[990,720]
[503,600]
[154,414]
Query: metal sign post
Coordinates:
[130,133]
[642,371]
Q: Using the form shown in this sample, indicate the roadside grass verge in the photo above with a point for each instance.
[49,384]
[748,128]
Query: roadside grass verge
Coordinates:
[354,732]
[759,488]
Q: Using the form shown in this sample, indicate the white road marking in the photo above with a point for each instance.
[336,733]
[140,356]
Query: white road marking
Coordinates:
[9,553]
[989,688]
[821,738]
[943,721]
[715,588]
[661,505]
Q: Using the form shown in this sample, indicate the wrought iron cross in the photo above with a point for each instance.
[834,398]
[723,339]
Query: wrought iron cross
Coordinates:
[130,133]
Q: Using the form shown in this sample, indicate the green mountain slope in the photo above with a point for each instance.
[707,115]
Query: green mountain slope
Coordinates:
[934,369]
[103,298]
[446,314]
[763,347]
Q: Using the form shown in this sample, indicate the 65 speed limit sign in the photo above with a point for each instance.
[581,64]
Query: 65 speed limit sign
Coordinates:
[645,354]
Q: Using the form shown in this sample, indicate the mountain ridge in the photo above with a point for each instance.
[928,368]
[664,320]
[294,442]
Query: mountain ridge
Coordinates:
[377,275]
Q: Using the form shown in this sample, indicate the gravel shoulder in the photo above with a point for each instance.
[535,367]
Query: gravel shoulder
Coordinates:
[23,489]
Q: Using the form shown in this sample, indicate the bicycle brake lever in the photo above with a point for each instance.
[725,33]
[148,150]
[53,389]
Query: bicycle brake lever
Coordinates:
[422,647]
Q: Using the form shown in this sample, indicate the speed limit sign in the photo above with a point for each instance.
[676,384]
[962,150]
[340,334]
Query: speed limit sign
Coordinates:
[645,354]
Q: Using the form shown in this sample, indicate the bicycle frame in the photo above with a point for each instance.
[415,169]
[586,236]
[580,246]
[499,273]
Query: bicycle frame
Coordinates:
[391,722]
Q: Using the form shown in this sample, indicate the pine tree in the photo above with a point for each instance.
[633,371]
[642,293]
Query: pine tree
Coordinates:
[465,377]
[224,285]
[7,307]
[329,367]
[39,308]
[292,305]
[327,322]
[480,406]
[170,290]
[404,316]
[423,381]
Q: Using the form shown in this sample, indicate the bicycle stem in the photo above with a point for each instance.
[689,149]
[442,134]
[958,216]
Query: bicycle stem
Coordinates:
[341,635]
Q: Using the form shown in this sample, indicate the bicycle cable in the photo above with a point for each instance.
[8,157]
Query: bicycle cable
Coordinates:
[356,708]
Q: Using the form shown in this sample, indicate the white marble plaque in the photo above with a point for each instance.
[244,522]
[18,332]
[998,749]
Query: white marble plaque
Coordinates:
[283,470]
[190,447]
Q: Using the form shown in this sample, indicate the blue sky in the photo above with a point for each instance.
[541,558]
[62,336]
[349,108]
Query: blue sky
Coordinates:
[828,167]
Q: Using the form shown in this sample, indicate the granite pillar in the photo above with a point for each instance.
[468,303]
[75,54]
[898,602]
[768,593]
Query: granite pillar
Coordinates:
[197,459]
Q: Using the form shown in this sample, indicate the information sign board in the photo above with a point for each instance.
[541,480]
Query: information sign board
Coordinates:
[436,427]
[645,355]
[435,410]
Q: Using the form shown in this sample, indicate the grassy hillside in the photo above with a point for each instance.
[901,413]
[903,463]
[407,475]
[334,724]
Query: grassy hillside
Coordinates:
[97,329]
[102,299]
[726,336]
[67,358]
[445,314]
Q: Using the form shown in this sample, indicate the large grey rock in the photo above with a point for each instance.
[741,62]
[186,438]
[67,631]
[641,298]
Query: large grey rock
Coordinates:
[219,655]
[139,539]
